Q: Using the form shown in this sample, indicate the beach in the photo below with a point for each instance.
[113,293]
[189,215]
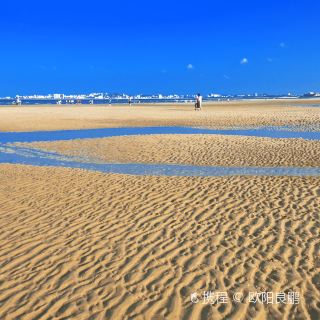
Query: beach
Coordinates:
[79,244]
[214,115]
[199,150]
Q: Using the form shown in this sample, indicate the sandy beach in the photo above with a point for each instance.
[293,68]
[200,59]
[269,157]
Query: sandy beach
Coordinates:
[249,113]
[77,244]
[160,160]
[200,150]
[121,247]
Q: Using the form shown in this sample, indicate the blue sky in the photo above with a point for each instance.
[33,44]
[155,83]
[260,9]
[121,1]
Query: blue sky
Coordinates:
[159,46]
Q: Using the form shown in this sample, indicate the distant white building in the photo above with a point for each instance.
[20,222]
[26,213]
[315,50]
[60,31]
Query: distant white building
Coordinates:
[214,95]
[312,94]
[58,96]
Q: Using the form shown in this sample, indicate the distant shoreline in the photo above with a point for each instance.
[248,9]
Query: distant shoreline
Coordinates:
[145,102]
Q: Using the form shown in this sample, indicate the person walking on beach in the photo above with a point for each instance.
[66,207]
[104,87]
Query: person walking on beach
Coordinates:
[198,104]
[130,102]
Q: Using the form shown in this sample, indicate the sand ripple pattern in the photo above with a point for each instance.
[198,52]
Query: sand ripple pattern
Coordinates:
[199,150]
[83,245]
[214,115]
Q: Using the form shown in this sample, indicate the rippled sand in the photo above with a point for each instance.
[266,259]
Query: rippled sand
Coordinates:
[76,244]
[206,150]
[84,245]
[215,115]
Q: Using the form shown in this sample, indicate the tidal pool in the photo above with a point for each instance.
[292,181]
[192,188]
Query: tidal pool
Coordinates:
[14,154]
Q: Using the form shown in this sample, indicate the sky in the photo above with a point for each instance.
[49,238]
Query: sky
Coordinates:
[182,47]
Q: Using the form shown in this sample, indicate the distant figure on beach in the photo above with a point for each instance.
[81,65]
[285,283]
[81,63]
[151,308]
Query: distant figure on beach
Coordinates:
[18,101]
[198,104]
[130,102]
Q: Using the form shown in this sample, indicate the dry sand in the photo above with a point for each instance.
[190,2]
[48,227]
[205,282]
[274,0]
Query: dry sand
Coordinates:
[85,245]
[206,150]
[219,114]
